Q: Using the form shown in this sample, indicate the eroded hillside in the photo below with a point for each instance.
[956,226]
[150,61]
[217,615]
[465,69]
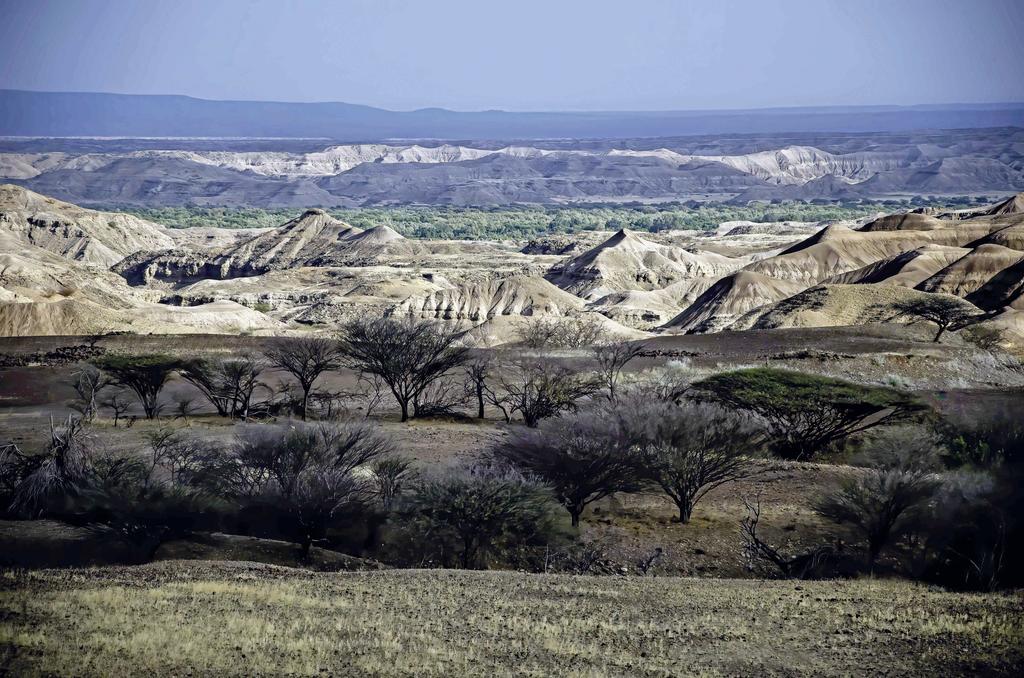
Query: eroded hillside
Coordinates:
[69,270]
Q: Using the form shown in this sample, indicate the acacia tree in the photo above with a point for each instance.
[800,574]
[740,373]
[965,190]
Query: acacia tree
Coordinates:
[144,375]
[804,413]
[409,355]
[611,359]
[690,449]
[306,359]
[229,385]
[946,312]
[538,390]
[584,458]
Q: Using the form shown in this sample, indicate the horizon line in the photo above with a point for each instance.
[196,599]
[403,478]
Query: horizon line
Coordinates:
[763,109]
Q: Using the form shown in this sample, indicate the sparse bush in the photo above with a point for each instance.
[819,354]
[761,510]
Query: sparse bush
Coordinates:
[441,398]
[984,337]
[891,494]
[562,331]
[537,390]
[767,560]
[117,405]
[391,475]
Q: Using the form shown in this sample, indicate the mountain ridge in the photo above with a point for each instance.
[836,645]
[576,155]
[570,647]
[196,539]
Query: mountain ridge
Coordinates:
[32,113]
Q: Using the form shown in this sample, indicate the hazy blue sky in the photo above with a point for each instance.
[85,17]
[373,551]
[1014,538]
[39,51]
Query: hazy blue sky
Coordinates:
[524,54]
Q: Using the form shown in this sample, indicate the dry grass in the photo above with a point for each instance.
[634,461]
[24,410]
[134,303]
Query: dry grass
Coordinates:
[218,619]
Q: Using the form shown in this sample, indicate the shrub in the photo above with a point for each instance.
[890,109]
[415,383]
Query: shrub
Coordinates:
[304,475]
[891,494]
[480,511]
[984,337]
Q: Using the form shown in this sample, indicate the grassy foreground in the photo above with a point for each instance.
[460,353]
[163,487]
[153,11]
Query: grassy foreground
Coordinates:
[186,617]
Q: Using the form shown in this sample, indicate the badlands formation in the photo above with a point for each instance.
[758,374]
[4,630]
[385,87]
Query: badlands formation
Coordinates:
[298,174]
[69,270]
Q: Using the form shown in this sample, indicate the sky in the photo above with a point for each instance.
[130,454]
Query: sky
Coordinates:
[524,55]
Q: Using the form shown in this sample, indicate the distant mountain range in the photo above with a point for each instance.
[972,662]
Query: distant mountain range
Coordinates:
[105,149]
[64,114]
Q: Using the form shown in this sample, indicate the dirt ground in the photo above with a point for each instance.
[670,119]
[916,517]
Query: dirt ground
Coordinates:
[226,619]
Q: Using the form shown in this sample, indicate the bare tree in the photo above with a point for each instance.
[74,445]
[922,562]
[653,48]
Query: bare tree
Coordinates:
[204,375]
[691,449]
[88,383]
[118,405]
[306,359]
[584,458]
[477,374]
[242,380]
[538,389]
[409,355]
[612,358]
[762,557]
[946,312]
[229,385]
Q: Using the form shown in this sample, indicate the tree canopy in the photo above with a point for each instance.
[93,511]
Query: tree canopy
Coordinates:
[805,413]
